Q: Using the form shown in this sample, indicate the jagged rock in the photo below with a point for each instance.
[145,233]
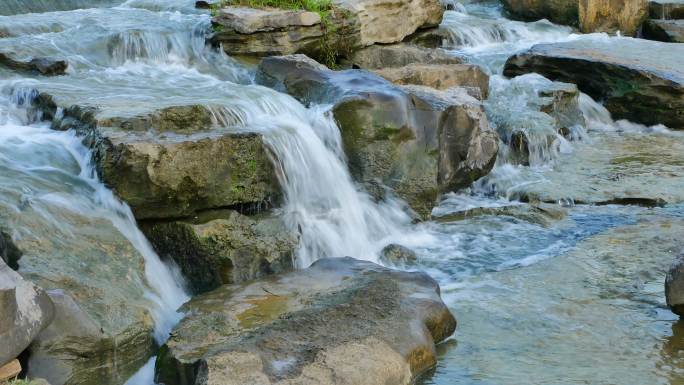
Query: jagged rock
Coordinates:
[398,255]
[418,141]
[440,76]
[625,16]
[671,31]
[171,162]
[354,24]
[666,9]
[557,11]
[399,55]
[224,247]
[640,80]
[341,321]
[561,101]
[25,311]
[674,286]
[43,66]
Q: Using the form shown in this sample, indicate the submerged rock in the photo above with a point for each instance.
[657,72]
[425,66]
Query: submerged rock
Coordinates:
[666,9]
[172,162]
[42,66]
[341,321]
[674,286]
[25,310]
[224,247]
[399,55]
[418,141]
[440,76]
[398,255]
[640,80]
[349,26]
[671,31]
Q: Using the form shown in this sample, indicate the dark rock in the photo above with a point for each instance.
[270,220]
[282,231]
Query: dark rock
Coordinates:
[558,11]
[9,252]
[674,286]
[398,255]
[640,80]
[666,9]
[43,66]
[224,247]
[341,321]
[671,31]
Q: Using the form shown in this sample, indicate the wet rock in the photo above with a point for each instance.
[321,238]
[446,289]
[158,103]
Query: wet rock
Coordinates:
[640,80]
[674,286]
[671,31]
[9,253]
[557,11]
[440,76]
[625,16]
[26,310]
[172,162]
[399,55]
[542,214]
[561,101]
[42,66]
[398,255]
[224,247]
[418,141]
[341,321]
[431,38]
[666,9]
[355,24]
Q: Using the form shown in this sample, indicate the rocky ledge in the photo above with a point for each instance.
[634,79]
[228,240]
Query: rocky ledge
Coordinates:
[341,321]
[639,80]
[416,140]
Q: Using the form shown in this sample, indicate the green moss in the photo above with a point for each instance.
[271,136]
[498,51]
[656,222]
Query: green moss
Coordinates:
[322,7]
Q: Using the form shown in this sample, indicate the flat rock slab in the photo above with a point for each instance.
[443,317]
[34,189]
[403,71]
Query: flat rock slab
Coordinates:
[250,20]
[382,56]
[440,76]
[639,80]
[671,31]
[666,9]
[341,321]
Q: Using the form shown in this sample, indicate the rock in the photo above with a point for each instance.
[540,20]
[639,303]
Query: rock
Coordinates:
[639,80]
[440,76]
[558,11]
[158,162]
[625,16]
[399,55]
[350,25]
[666,9]
[9,253]
[42,66]
[418,141]
[674,286]
[26,310]
[224,247]
[671,31]
[341,321]
[542,214]
[561,101]
[398,255]
[431,38]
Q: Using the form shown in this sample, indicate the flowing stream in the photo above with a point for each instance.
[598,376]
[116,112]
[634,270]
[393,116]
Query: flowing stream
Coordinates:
[541,294]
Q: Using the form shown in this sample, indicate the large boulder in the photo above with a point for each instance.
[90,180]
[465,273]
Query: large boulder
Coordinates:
[671,31]
[224,247]
[340,321]
[666,9]
[349,25]
[557,11]
[418,141]
[173,161]
[639,80]
[674,286]
[625,16]
[26,310]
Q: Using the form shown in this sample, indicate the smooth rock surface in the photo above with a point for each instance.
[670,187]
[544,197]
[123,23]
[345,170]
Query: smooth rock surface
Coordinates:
[639,80]
[671,31]
[25,310]
[440,76]
[341,321]
[674,286]
[383,56]
[224,247]
[418,141]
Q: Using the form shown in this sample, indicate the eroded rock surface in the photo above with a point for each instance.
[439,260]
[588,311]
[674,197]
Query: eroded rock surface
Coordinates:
[440,77]
[341,321]
[639,80]
[382,56]
[224,247]
[625,16]
[418,141]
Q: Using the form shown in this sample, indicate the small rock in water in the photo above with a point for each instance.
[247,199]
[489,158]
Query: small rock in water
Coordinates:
[398,254]
[674,286]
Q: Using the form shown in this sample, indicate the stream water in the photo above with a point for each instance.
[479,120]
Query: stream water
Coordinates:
[562,293]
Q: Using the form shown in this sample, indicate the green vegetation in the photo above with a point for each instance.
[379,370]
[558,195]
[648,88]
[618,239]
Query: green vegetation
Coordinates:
[322,7]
